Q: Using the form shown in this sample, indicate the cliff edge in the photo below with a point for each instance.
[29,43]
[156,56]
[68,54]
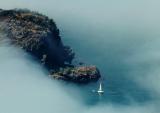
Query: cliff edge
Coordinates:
[38,35]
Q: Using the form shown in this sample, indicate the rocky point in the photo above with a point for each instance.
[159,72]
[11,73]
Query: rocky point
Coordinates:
[39,36]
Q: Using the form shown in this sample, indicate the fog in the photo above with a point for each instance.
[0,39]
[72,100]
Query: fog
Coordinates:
[120,37]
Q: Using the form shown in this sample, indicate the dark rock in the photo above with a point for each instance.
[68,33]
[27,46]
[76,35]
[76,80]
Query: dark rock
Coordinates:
[83,74]
[39,36]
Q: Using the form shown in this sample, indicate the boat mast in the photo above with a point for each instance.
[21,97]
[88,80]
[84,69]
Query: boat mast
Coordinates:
[100,87]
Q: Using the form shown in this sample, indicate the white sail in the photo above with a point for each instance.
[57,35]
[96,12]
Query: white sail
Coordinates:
[100,90]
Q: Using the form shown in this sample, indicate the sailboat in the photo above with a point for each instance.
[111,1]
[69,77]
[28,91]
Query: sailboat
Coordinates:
[100,90]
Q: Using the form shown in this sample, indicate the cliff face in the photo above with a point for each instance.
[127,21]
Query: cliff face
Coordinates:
[39,36]
[83,74]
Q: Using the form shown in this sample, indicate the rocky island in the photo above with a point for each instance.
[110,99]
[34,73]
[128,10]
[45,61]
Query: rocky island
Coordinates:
[39,36]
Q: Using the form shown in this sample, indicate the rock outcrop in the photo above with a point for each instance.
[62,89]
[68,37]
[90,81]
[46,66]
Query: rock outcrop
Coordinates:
[83,74]
[39,36]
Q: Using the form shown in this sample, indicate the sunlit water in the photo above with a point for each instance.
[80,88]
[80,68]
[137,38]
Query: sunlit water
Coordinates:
[120,37]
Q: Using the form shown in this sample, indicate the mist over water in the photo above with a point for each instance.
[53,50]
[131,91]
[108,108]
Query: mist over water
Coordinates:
[120,37]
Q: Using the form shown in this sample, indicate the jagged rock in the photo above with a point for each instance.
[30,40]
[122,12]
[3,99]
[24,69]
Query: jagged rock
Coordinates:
[83,74]
[39,36]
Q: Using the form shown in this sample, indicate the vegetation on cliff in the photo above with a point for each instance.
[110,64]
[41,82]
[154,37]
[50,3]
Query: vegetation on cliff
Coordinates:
[83,74]
[39,36]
